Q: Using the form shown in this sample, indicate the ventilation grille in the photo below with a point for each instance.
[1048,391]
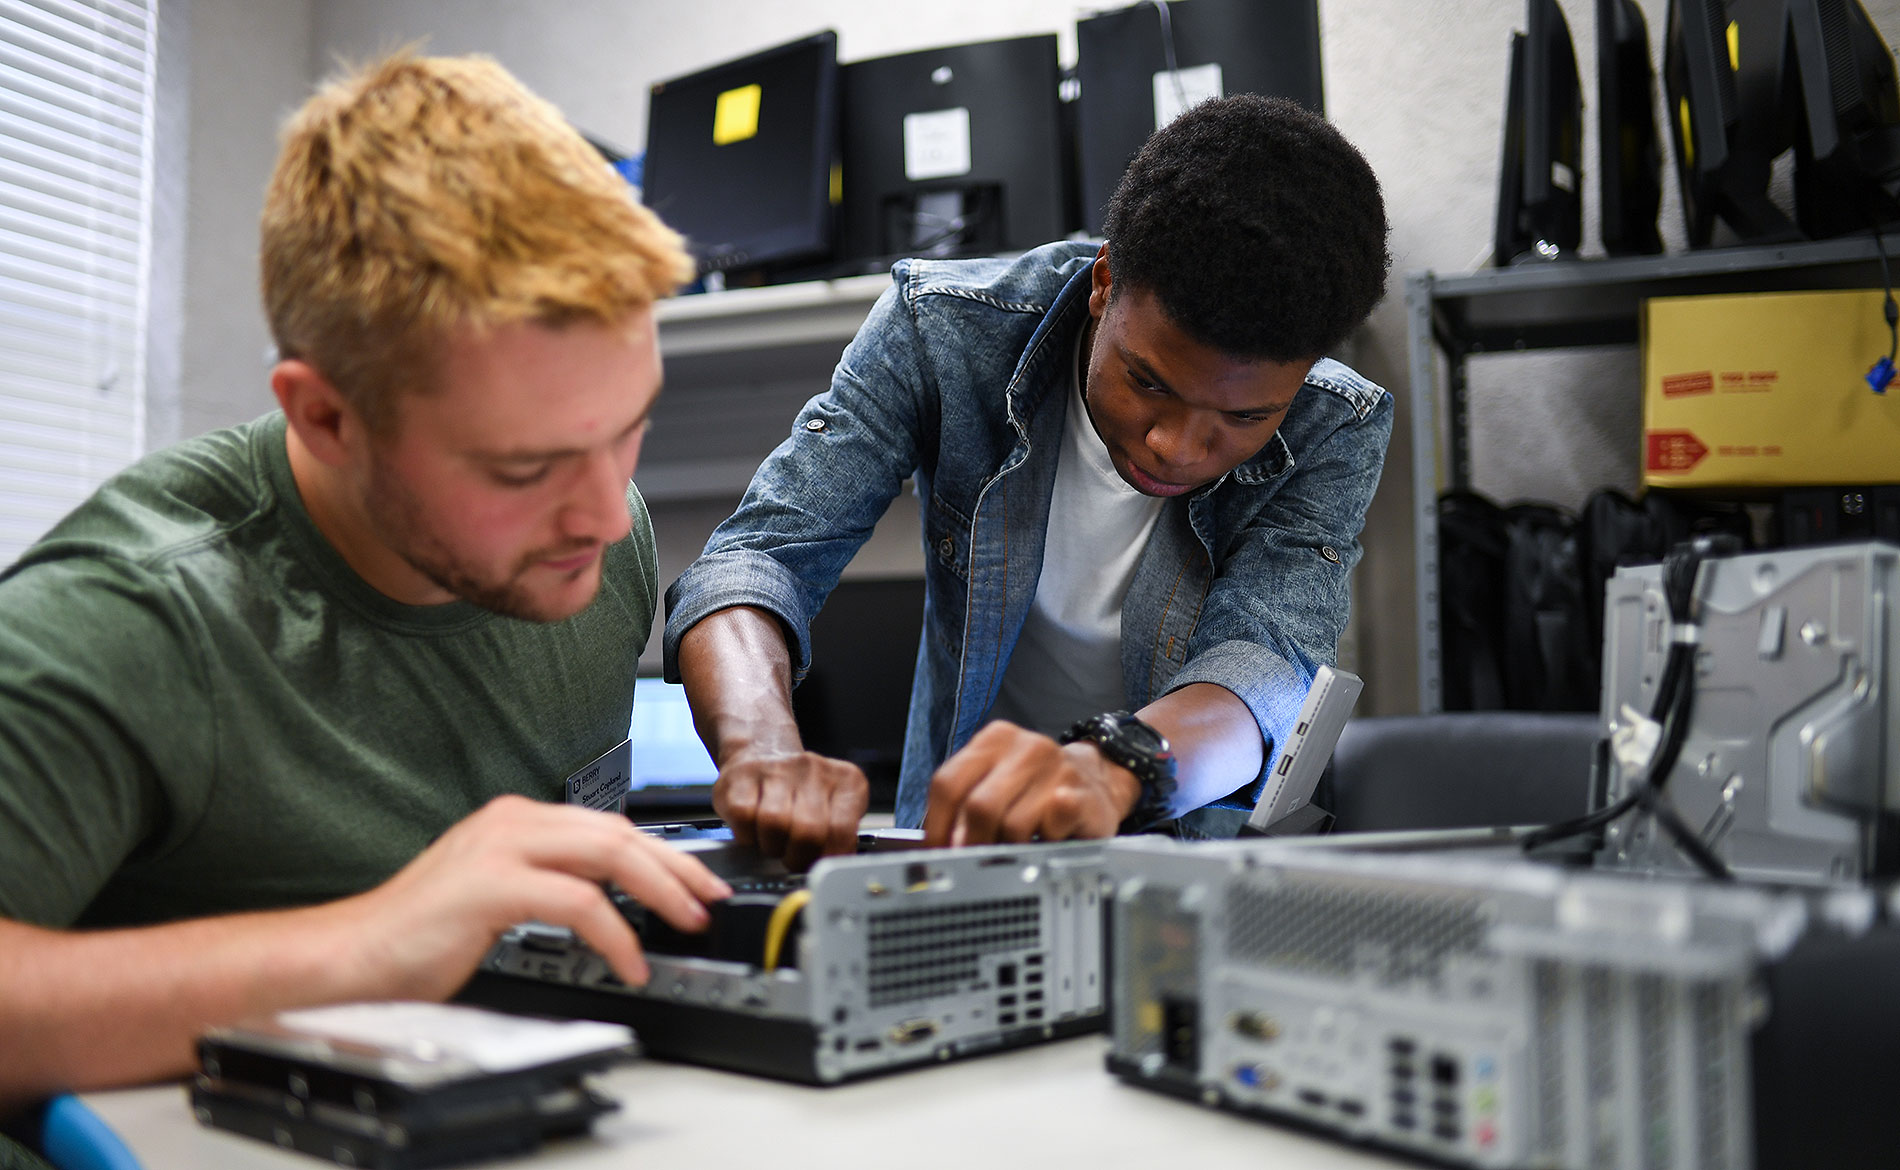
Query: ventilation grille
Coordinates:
[1837,32]
[1334,931]
[1549,987]
[1656,1051]
[918,953]
[1676,1061]
[1713,1057]
[1599,1058]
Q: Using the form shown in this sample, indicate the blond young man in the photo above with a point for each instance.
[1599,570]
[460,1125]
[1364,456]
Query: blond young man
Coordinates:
[251,692]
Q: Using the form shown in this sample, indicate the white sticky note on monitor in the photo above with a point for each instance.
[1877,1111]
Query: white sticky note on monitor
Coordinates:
[1176,91]
[937,144]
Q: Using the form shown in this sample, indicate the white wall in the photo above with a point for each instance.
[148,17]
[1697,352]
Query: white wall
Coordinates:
[1418,86]
[250,67]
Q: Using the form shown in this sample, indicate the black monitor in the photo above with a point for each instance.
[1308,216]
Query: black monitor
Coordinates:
[1629,155]
[855,702]
[1847,124]
[1139,65]
[739,156]
[952,152]
[1540,202]
[1725,147]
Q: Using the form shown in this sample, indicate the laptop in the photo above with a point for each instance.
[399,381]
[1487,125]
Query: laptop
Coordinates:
[671,770]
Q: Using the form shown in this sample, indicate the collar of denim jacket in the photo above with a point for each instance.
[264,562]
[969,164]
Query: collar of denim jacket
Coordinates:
[1054,340]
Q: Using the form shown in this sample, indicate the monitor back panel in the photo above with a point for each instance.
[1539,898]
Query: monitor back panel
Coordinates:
[1268,47]
[978,122]
[739,156]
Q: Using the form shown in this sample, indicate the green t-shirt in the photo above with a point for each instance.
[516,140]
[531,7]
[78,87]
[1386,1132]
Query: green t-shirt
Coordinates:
[203,709]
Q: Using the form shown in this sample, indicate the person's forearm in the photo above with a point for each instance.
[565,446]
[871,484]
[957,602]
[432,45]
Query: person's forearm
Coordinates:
[1217,743]
[737,670]
[94,1009]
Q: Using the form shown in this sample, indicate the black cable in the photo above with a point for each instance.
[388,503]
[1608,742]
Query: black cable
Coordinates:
[1167,52]
[1671,708]
[1883,369]
[948,228]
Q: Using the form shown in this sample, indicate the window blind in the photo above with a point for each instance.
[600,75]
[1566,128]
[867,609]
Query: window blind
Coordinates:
[76,109]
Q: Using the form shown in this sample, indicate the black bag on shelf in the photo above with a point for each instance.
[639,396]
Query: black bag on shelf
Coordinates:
[1513,632]
[1551,661]
[1472,546]
[1616,531]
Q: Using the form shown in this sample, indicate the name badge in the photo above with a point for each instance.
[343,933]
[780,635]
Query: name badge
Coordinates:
[603,783]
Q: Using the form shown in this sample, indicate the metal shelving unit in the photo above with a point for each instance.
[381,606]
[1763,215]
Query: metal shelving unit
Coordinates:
[1556,306]
[739,364]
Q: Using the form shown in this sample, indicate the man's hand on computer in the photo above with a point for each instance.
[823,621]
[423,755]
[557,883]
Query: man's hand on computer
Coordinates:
[421,933]
[797,805]
[84,1009]
[778,797]
[1012,784]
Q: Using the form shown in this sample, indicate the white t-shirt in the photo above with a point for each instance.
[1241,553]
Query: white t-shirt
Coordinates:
[1068,662]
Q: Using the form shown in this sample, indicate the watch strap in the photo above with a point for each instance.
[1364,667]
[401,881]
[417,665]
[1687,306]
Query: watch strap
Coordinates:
[1134,744]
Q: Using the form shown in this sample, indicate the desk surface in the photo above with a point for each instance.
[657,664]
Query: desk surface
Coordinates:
[1051,1104]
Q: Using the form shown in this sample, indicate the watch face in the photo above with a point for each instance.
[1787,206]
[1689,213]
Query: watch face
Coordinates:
[1139,735]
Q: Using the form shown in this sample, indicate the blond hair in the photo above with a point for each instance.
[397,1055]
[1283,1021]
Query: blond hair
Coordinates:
[420,195]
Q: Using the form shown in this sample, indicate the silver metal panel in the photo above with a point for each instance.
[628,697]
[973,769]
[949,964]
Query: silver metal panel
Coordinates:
[1483,1012]
[1790,755]
[905,954]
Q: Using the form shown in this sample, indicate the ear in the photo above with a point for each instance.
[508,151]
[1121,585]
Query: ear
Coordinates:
[324,421]
[1101,281]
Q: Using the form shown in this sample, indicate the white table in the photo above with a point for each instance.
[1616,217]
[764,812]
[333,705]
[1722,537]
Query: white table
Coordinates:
[1050,1106]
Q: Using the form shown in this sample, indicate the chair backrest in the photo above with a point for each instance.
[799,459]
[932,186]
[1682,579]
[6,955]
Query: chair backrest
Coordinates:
[1462,769]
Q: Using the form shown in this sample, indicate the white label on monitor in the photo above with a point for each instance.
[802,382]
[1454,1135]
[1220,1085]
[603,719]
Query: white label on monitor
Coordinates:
[937,144]
[1176,91]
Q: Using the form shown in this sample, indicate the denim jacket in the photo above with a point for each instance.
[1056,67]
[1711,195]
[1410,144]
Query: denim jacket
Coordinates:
[958,381]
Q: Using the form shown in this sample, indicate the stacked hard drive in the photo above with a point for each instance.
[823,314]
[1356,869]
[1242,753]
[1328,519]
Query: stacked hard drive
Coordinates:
[405,1085]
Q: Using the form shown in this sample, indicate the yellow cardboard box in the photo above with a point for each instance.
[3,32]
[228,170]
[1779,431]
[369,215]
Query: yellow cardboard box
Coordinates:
[1767,389]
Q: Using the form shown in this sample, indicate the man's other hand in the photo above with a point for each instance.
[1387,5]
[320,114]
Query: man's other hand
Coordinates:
[796,805]
[1011,784]
[421,933]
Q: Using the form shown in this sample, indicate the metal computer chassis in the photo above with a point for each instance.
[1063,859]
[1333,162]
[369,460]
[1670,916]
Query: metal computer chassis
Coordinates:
[904,958]
[1504,1013]
[1790,769]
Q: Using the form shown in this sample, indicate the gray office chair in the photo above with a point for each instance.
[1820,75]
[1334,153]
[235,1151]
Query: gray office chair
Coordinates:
[1462,769]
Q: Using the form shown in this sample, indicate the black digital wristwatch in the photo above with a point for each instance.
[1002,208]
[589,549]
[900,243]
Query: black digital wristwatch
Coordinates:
[1134,745]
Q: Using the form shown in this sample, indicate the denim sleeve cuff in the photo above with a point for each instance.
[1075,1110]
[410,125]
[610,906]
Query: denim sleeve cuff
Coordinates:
[739,577]
[1272,688]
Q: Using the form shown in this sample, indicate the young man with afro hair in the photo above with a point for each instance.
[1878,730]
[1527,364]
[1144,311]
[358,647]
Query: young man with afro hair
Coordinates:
[1142,484]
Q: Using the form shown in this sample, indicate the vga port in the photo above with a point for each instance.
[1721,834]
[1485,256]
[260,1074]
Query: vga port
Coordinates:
[911,1031]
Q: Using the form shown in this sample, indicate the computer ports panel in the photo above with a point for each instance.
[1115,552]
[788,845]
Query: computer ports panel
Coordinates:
[899,958]
[1503,1013]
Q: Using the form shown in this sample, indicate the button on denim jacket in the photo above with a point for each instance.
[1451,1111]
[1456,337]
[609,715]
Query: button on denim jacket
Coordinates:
[958,381]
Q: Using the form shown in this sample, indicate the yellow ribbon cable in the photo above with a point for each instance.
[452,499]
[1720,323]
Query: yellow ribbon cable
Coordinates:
[780,924]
